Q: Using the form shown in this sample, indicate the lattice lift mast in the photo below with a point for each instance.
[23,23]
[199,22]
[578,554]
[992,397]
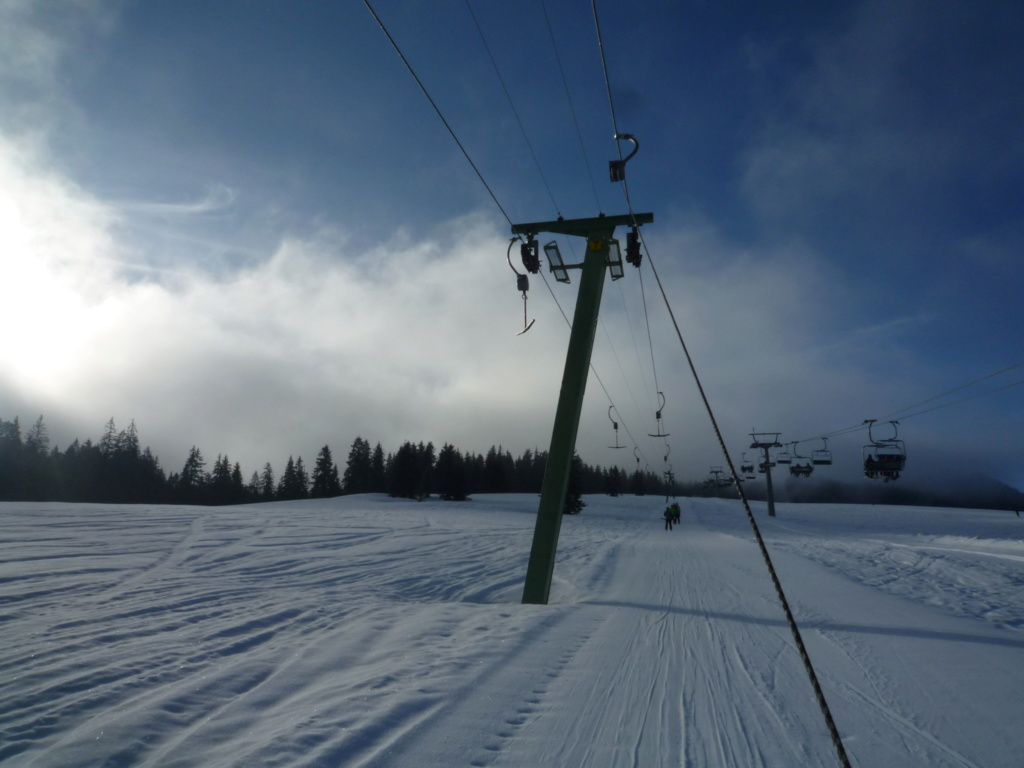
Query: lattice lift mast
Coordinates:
[601,245]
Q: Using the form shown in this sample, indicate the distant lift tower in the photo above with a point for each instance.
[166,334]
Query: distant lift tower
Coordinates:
[602,253]
[765,441]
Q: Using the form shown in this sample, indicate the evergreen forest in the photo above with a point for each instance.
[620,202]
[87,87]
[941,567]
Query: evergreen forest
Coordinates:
[117,469]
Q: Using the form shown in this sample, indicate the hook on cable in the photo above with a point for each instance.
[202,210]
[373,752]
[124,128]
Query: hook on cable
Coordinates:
[617,168]
[615,426]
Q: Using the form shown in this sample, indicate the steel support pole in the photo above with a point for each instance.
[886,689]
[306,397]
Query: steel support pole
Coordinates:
[768,480]
[567,419]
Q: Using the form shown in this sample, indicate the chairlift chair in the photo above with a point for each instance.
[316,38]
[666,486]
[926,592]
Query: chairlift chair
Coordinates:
[747,467]
[822,456]
[784,457]
[801,466]
[884,458]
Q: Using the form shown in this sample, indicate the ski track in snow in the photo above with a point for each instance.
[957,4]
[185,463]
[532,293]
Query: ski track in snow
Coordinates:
[372,632]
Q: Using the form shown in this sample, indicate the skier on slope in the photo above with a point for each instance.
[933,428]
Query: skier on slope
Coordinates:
[669,517]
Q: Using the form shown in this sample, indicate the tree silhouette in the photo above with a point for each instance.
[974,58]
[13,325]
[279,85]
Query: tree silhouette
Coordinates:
[574,503]
[358,476]
[325,476]
[268,487]
[294,482]
[193,480]
[450,474]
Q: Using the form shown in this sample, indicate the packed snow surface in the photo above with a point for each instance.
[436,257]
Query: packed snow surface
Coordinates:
[367,631]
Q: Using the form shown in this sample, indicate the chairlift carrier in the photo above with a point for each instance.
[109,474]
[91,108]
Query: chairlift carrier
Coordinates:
[884,458]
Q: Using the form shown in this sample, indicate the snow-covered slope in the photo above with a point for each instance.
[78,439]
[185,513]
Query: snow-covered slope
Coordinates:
[366,631]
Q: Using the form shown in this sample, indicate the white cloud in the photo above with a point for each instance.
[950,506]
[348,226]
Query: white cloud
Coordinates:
[414,339]
[315,344]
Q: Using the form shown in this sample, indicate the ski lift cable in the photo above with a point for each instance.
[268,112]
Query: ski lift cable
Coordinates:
[604,66]
[437,109]
[617,135]
[529,145]
[618,362]
[572,108]
[794,629]
[860,427]
[957,389]
[469,159]
[962,400]
[512,106]
[597,376]
[540,170]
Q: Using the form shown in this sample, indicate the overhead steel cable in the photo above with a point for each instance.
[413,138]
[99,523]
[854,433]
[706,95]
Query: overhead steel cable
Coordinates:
[437,109]
[604,66]
[512,106]
[902,414]
[593,370]
[547,186]
[650,338]
[572,108]
[794,629]
[472,164]
[819,695]
[615,129]
[957,389]
[962,400]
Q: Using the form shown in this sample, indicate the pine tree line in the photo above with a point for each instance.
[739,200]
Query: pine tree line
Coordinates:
[119,470]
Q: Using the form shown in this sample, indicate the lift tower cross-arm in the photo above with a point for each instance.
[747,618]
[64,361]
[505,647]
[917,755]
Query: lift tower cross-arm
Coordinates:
[598,232]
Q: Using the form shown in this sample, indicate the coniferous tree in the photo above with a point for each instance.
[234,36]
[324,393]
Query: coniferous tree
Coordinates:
[638,483]
[254,489]
[108,443]
[193,480]
[378,471]
[11,460]
[37,440]
[238,494]
[425,461]
[151,484]
[268,486]
[219,490]
[494,479]
[450,474]
[301,479]
[36,466]
[574,503]
[613,481]
[358,469]
[326,482]
[287,486]
[127,442]
[404,472]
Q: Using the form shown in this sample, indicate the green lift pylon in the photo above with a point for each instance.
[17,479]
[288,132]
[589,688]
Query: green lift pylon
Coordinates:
[599,235]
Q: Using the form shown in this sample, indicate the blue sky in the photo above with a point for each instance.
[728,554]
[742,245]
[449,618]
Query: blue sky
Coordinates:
[242,224]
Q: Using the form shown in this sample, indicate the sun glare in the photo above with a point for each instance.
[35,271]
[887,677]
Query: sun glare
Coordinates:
[40,308]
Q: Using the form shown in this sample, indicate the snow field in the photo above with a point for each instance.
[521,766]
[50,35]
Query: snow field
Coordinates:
[366,631]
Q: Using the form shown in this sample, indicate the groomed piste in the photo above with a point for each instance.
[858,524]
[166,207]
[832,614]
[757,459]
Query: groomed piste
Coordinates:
[368,631]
